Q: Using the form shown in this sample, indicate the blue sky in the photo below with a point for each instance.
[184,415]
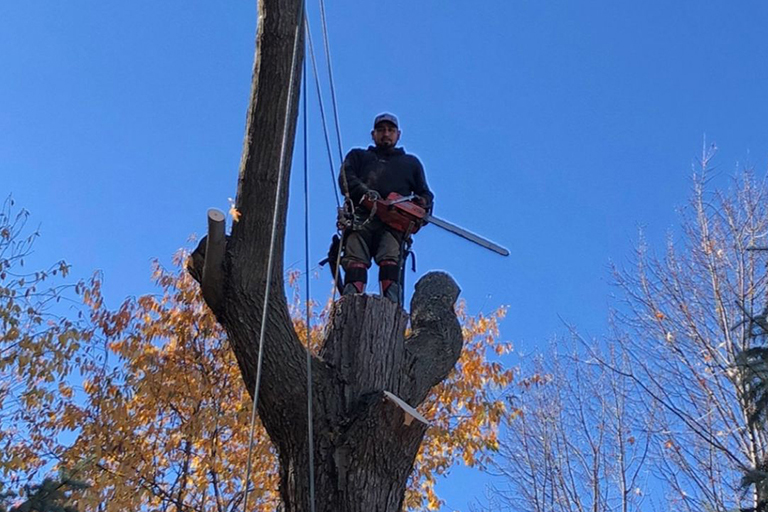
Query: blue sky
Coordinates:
[556,128]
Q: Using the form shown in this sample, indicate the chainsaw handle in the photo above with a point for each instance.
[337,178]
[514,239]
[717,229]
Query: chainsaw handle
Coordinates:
[403,199]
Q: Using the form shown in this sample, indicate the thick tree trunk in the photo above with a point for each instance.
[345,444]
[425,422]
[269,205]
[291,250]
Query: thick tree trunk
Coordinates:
[365,441]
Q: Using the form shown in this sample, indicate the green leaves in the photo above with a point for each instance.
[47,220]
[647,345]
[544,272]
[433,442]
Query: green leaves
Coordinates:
[51,495]
[753,367]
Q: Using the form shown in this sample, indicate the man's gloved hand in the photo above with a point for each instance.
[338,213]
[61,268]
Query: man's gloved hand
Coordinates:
[424,202]
[372,195]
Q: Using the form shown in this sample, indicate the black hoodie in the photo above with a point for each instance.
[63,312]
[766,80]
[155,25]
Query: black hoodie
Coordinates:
[385,171]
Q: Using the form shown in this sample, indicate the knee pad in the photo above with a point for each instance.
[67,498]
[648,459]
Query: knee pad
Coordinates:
[356,273]
[389,271]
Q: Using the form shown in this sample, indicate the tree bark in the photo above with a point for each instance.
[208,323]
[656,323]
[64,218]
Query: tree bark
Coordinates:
[365,443]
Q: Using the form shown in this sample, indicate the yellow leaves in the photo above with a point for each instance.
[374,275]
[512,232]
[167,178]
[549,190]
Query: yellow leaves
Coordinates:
[160,391]
[171,398]
[466,410]
[433,502]
[536,379]
[233,211]
[11,335]
[65,390]
[659,315]
[64,268]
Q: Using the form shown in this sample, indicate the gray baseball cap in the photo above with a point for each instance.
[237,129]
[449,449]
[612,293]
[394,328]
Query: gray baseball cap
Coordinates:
[386,116]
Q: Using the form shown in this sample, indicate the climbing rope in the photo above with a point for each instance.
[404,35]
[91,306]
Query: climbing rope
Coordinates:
[349,208]
[327,45]
[322,111]
[270,260]
[310,437]
[348,203]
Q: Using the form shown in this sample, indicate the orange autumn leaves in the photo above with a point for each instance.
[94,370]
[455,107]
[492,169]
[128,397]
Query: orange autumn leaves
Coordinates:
[38,349]
[166,417]
[155,402]
[465,410]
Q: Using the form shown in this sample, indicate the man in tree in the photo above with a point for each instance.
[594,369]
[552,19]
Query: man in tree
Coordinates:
[372,174]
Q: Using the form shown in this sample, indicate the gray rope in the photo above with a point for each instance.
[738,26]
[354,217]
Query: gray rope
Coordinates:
[270,261]
[327,45]
[322,113]
[348,199]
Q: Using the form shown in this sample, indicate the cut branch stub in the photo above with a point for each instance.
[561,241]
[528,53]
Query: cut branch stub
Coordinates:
[215,248]
[365,346]
[435,342]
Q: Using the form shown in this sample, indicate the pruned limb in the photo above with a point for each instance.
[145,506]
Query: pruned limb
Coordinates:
[365,346]
[215,248]
[435,342]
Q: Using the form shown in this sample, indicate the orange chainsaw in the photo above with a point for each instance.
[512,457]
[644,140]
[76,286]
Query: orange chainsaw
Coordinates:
[405,215]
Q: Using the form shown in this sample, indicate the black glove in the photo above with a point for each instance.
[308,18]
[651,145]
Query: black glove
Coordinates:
[425,202]
[372,195]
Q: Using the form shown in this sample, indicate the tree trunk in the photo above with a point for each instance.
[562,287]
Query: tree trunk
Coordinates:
[365,440]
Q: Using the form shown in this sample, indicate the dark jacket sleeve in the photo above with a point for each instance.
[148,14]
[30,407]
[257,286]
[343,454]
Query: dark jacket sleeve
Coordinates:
[420,187]
[349,177]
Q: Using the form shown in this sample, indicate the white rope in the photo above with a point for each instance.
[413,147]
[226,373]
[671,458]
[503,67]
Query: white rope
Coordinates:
[270,261]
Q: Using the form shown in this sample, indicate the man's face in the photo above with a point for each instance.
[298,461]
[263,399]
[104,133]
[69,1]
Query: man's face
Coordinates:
[385,135]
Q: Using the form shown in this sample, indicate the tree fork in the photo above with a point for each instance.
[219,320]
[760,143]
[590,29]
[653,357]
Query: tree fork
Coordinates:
[365,442]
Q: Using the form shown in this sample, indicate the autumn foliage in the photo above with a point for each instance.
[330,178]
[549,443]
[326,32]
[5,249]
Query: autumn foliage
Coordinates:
[38,352]
[148,401]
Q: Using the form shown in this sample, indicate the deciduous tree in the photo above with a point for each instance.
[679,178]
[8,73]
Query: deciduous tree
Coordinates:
[366,444]
[38,348]
[684,324]
[165,418]
[576,443]
[681,381]
[166,414]
[153,398]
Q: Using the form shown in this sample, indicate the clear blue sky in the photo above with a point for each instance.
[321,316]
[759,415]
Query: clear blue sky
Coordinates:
[554,127]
